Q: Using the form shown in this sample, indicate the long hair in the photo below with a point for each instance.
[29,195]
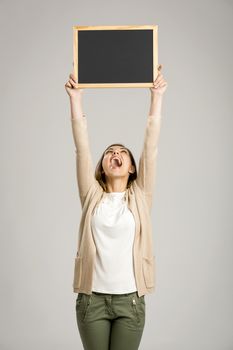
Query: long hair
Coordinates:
[99,172]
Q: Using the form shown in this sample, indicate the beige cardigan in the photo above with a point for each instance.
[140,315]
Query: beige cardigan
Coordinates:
[139,201]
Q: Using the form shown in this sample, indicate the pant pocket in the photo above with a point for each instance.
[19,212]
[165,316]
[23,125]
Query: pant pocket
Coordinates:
[86,305]
[142,299]
[83,302]
[134,305]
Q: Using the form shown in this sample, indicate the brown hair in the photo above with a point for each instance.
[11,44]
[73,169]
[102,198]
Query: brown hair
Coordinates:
[99,172]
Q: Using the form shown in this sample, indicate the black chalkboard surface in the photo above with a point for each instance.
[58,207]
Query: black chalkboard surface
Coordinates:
[115,56]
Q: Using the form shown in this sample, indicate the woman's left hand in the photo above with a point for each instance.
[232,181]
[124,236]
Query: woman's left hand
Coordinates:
[160,84]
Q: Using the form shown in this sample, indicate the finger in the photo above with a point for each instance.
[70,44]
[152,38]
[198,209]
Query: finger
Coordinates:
[159,76]
[158,72]
[73,77]
[68,84]
[161,85]
[160,66]
[73,83]
[158,80]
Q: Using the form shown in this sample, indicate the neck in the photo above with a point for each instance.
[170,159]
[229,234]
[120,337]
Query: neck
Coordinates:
[116,185]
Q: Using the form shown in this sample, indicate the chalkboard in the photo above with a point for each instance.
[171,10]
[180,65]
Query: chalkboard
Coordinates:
[115,56]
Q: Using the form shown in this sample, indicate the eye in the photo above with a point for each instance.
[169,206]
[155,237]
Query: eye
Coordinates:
[125,151]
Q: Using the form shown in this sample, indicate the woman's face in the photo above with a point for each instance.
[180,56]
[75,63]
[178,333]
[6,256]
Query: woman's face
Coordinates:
[117,162]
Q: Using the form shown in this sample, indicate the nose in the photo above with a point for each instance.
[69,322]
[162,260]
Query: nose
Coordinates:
[114,152]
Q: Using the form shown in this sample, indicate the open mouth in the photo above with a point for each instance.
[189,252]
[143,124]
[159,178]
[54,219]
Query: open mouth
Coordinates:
[116,162]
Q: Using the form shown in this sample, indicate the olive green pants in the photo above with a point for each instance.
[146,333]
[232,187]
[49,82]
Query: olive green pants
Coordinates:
[110,321]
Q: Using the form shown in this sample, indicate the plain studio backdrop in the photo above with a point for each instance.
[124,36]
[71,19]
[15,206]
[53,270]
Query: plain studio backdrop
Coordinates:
[40,209]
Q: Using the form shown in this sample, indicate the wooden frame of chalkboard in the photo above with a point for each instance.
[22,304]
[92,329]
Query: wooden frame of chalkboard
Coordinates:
[115,56]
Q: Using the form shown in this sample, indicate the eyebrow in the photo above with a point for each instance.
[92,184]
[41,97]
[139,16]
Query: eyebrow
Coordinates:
[112,148]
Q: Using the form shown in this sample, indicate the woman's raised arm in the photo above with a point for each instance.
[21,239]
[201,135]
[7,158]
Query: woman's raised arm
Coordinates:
[148,159]
[84,165]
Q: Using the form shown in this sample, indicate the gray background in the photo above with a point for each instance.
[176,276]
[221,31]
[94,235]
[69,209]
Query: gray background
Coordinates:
[40,211]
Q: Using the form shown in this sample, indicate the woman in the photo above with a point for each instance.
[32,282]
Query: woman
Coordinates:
[115,263]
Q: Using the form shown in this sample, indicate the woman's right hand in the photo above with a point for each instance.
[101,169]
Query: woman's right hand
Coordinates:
[72,87]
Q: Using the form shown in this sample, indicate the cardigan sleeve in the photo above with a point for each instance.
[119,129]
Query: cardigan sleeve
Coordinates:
[84,165]
[148,158]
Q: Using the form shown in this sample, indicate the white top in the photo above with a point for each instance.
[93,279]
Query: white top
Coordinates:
[113,228]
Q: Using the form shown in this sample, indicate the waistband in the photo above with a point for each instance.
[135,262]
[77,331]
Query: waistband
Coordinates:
[114,294]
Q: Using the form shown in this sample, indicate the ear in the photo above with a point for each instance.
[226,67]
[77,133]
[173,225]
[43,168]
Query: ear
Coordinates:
[132,169]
